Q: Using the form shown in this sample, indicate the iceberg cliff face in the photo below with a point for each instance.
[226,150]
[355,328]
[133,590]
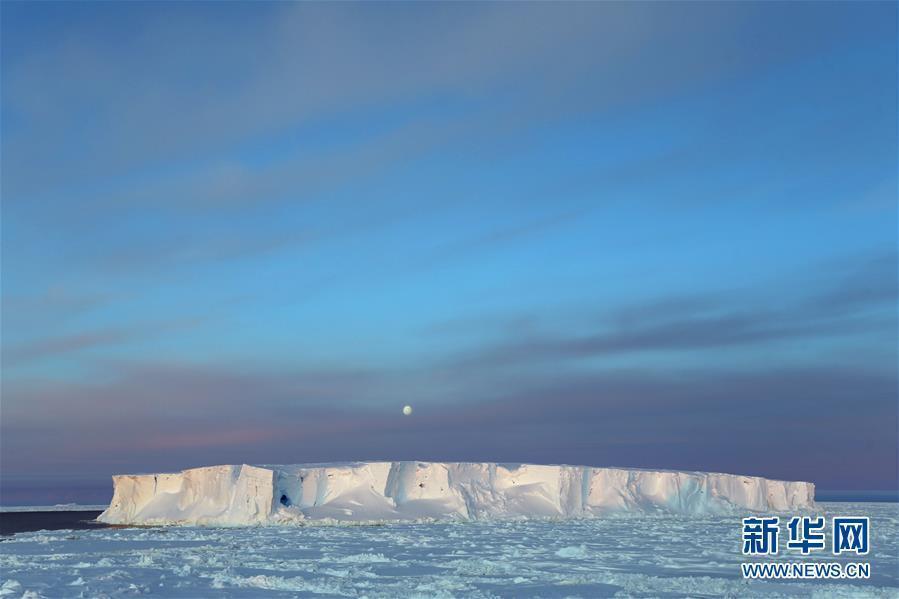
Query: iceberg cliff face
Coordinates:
[396,491]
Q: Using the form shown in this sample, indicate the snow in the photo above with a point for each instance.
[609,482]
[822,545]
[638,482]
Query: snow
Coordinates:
[637,556]
[367,492]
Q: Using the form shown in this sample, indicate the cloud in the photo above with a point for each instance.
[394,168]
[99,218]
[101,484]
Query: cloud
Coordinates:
[730,421]
[865,281]
[165,255]
[56,305]
[497,237]
[714,320]
[50,347]
[133,107]
[166,411]
[122,139]
[61,345]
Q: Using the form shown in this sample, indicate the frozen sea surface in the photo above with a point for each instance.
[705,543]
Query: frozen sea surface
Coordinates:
[628,557]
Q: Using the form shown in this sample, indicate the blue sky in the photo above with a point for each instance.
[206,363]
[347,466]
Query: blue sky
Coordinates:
[641,235]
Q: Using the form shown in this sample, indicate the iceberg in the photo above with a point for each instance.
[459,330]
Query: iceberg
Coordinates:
[369,492]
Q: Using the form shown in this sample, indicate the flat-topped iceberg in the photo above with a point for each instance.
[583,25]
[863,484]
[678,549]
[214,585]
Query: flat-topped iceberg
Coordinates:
[409,491]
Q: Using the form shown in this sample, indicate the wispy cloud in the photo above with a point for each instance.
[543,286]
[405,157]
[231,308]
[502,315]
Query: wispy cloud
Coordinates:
[110,337]
[55,305]
[714,321]
[732,421]
[481,245]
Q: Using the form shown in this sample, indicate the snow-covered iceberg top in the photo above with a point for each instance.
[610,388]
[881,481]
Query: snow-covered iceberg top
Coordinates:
[409,491]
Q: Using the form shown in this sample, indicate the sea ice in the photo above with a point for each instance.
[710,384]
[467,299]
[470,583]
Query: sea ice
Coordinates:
[637,556]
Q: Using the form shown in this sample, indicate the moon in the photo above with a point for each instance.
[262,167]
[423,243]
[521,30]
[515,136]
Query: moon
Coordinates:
[407,410]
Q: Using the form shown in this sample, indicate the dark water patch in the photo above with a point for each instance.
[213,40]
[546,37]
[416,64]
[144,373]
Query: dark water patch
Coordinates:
[13,522]
[858,496]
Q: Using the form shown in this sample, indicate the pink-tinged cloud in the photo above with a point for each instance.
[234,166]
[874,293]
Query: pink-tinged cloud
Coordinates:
[217,438]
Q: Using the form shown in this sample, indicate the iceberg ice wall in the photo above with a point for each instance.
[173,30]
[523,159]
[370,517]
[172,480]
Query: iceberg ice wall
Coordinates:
[384,491]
